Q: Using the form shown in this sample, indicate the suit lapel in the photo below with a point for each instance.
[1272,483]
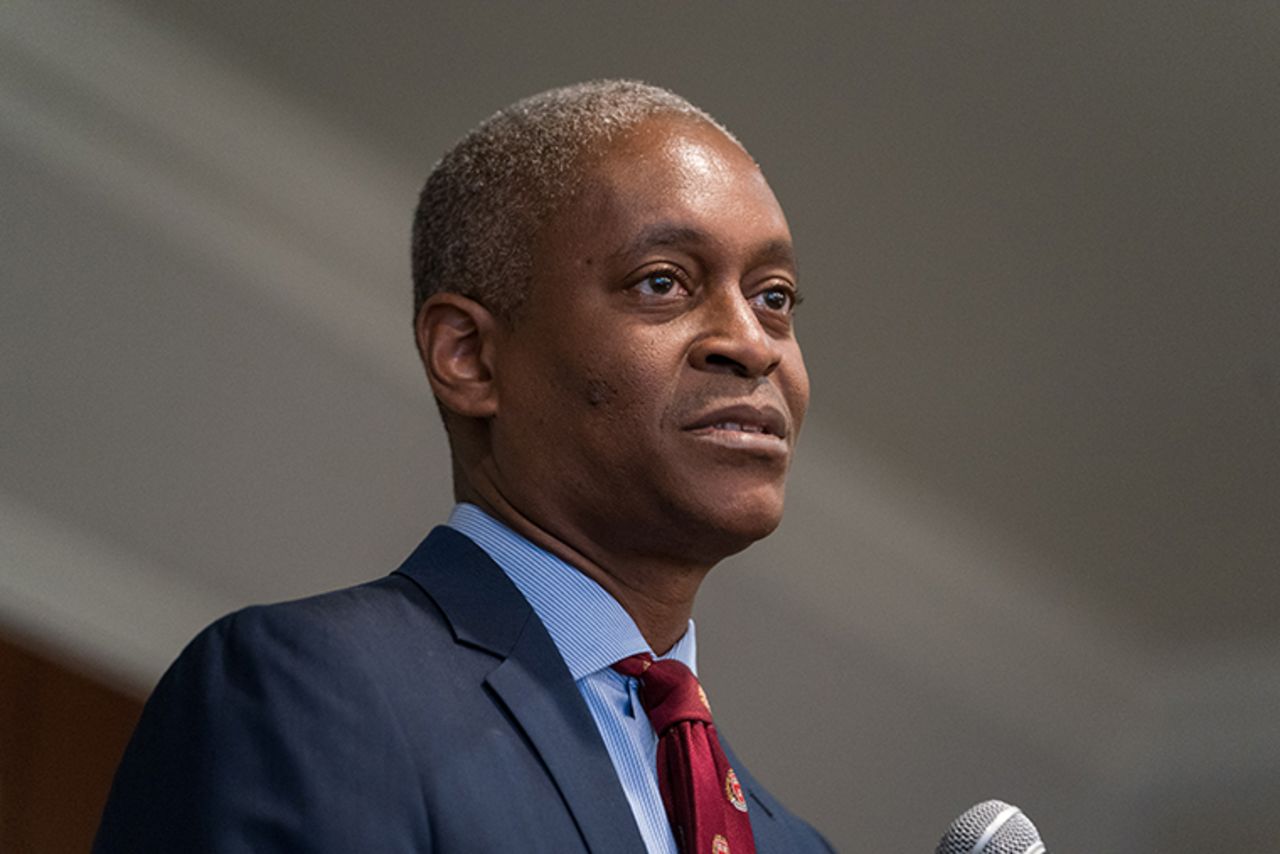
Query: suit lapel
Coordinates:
[487,611]
[770,835]
[561,728]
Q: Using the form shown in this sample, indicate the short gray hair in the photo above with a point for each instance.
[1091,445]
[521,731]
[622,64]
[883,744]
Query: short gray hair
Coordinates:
[486,200]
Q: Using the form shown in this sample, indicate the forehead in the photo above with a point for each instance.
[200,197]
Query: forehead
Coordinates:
[670,179]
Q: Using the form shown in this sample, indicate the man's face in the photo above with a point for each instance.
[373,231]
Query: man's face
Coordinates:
[650,389]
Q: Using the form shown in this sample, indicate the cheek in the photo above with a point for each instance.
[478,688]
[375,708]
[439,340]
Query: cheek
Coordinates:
[618,381]
[599,392]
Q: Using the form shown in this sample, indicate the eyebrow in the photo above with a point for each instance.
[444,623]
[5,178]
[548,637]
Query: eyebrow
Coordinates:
[662,234]
[777,251]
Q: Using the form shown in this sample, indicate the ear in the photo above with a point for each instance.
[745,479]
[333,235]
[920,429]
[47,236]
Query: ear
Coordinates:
[456,341]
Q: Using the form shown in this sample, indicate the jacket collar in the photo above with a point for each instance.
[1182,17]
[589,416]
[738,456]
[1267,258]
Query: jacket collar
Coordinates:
[483,608]
[486,611]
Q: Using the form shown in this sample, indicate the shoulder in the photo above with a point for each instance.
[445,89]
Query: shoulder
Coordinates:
[273,719]
[353,621]
[356,624]
[330,632]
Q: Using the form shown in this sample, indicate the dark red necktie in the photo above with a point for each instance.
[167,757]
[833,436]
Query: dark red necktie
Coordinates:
[704,801]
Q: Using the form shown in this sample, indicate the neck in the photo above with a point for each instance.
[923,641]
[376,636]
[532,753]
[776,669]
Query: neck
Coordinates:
[658,594]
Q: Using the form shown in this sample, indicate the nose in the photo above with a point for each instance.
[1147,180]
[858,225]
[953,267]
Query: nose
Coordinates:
[733,340]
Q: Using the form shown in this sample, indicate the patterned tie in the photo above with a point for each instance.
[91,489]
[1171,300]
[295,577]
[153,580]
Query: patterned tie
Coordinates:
[704,801]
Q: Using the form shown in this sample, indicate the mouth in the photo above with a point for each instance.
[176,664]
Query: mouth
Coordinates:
[745,426]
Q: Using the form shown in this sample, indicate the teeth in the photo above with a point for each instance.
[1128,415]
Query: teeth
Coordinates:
[741,428]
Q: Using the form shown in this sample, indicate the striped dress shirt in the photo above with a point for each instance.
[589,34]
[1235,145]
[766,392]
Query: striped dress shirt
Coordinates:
[592,631]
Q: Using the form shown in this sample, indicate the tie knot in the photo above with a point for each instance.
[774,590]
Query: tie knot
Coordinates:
[669,691]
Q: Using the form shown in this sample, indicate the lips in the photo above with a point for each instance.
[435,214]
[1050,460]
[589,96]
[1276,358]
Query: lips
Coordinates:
[765,421]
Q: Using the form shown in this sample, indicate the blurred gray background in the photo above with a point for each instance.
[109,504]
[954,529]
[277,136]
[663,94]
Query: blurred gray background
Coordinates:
[1031,548]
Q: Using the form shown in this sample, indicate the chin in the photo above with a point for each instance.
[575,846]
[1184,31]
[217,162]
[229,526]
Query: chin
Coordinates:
[731,525]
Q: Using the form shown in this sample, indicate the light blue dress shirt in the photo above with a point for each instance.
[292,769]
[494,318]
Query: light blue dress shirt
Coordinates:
[592,631]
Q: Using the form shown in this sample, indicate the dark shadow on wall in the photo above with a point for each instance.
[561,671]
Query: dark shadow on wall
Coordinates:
[61,737]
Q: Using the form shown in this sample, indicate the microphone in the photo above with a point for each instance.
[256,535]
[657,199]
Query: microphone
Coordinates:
[991,827]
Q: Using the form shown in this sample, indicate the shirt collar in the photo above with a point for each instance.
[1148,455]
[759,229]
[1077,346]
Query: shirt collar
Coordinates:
[588,626]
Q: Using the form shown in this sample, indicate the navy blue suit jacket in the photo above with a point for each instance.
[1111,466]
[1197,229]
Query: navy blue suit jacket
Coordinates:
[426,711]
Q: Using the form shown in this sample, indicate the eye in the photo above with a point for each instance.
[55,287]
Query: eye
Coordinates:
[660,283]
[779,299]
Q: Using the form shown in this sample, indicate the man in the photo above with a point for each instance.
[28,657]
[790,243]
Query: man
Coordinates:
[604,288]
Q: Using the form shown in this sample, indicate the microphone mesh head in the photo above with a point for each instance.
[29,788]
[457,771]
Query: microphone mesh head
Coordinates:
[1016,835]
